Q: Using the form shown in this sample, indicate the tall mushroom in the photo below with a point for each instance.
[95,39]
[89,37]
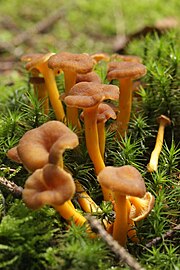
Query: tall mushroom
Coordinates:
[104,113]
[39,62]
[88,95]
[153,163]
[125,72]
[122,181]
[71,64]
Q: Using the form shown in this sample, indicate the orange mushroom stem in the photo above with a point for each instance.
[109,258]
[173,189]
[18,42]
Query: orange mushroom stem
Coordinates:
[125,72]
[40,62]
[71,64]
[41,92]
[88,95]
[86,202]
[122,181]
[153,163]
[105,112]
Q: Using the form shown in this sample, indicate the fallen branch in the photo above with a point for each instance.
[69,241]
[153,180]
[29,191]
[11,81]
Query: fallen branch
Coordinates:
[168,234]
[11,187]
[160,27]
[36,29]
[119,251]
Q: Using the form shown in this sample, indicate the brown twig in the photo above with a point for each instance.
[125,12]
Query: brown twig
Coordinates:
[168,234]
[11,186]
[160,27]
[40,27]
[119,251]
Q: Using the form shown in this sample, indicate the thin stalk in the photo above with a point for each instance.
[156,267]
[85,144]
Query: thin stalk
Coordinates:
[53,93]
[72,113]
[92,143]
[125,104]
[120,227]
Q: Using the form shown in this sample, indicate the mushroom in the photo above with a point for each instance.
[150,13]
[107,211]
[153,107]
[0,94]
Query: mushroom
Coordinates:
[53,186]
[39,62]
[41,92]
[13,154]
[88,95]
[153,163]
[88,77]
[125,72]
[141,207]
[97,57]
[122,181]
[45,144]
[104,113]
[86,202]
[71,64]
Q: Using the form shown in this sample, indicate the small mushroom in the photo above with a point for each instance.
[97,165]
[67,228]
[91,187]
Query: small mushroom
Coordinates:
[41,92]
[104,113]
[53,186]
[86,202]
[13,154]
[71,64]
[125,72]
[39,62]
[88,95]
[122,181]
[141,207]
[45,144]
[97,57]
[153,163]
[88,77]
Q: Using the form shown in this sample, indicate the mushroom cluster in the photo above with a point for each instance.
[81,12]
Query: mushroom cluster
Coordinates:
[82,107]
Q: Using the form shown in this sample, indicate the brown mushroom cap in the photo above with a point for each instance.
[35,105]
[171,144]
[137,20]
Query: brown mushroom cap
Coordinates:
[126,180]
[100,56]
[141,207]
[50,185]
[13,154]
[164,119]
[80,63]
[31,56]
[89,94]
[88,77]
[35,145]
[37,60]
[133,70]
[105,112]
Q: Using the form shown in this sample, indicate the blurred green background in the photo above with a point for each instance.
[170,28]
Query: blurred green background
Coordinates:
[76,26]
[84,25]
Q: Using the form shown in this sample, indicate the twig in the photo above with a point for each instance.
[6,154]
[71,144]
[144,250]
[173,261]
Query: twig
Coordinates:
[37,28]
[120,252]
[168,234]
[12,187]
